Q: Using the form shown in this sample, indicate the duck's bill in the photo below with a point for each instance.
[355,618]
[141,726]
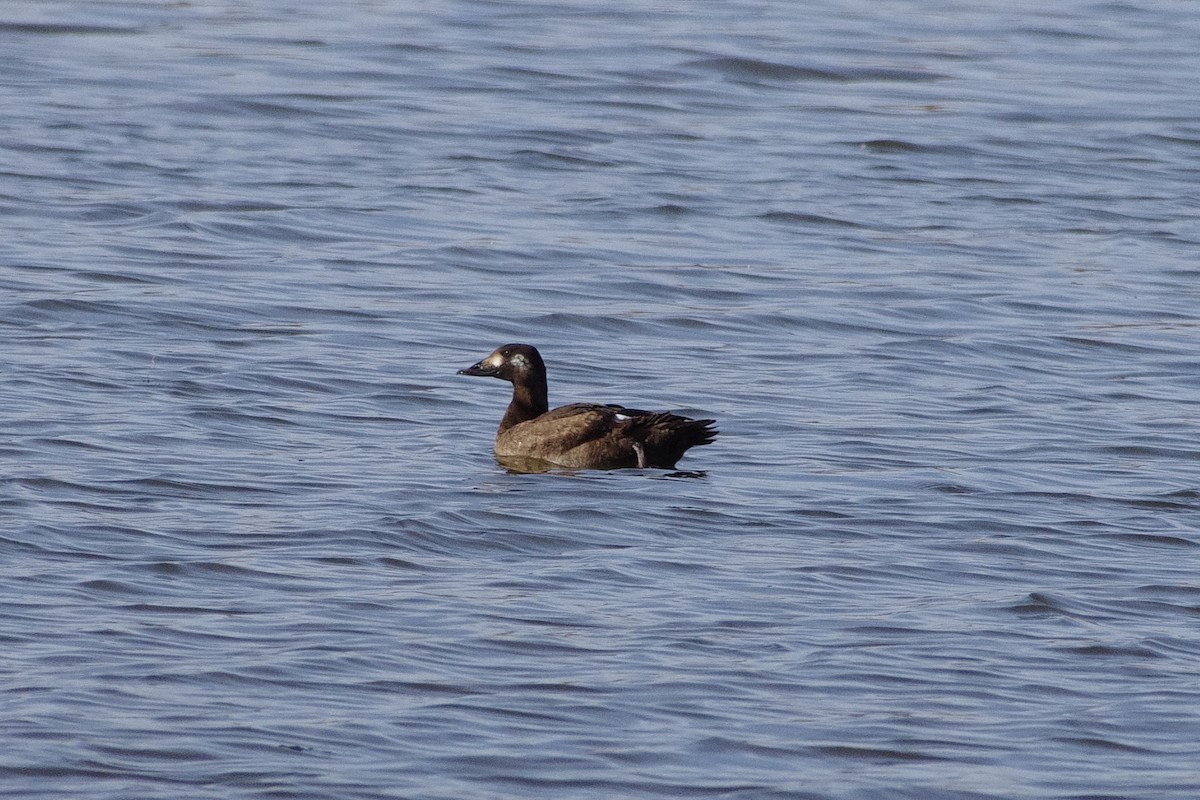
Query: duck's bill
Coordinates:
[479,368]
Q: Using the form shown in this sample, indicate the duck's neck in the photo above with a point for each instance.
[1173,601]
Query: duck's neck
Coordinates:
[528,402]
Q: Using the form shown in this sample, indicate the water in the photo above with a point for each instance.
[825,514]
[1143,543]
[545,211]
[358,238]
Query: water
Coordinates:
[932,266]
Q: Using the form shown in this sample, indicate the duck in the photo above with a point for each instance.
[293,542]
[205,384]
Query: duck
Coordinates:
[581,435]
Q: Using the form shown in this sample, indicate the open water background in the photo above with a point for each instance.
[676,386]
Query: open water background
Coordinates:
[932,265]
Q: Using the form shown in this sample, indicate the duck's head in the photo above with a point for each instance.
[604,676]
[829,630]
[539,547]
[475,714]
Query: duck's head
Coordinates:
[516,363]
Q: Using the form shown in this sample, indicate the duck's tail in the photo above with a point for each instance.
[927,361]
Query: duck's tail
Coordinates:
[664,437]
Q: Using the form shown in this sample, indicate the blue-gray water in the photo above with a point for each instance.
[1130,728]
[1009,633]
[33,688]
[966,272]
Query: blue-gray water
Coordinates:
[933,266]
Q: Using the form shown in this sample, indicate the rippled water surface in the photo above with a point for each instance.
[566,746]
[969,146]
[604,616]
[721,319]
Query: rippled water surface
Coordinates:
[932,266]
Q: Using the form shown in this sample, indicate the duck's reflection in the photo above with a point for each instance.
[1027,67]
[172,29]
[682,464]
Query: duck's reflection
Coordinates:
[521,465]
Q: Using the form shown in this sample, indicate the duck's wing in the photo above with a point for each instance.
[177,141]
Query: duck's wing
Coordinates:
[570,426]
[665,435]
[583,435]
[590,435]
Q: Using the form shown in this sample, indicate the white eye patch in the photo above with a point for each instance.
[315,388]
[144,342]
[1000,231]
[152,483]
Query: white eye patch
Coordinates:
[495,360]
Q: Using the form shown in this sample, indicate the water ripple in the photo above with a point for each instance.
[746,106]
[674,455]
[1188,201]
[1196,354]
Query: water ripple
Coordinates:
[943,308]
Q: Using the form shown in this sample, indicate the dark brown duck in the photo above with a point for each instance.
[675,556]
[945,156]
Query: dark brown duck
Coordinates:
[581,435]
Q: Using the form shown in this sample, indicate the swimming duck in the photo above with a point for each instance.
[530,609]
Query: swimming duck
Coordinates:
[581,435]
